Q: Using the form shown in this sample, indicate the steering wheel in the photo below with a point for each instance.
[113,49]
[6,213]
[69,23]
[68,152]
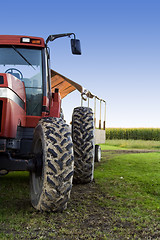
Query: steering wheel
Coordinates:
[18,75]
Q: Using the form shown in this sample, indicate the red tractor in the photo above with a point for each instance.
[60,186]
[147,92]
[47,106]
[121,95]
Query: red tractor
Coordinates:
[33,134]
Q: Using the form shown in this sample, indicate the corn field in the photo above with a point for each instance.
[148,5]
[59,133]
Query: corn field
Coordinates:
[133,133]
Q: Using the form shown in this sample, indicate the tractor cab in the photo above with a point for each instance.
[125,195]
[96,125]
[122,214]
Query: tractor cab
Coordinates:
[25,64]
[27,59]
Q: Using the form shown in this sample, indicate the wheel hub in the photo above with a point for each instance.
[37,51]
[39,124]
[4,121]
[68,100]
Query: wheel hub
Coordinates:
[38,164]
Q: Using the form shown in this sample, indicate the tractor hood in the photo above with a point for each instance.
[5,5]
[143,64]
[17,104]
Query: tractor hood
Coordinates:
[12,105]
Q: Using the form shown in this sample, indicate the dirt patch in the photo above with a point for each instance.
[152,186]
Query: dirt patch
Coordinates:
[89,216]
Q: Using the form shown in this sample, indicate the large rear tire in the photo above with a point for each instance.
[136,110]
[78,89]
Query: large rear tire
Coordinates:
[83,144]
[51,183]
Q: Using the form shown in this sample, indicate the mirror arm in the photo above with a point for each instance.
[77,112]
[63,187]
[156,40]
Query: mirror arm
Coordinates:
[55,36]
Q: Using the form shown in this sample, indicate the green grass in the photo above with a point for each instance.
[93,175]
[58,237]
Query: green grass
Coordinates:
[132,177]
[132,184]
[123,203]
[130,144]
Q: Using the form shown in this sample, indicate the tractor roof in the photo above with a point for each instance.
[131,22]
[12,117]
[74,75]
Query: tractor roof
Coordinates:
[66,86]
[22,41]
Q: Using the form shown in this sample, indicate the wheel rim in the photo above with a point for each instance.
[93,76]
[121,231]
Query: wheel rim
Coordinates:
[99,154]
[36,178]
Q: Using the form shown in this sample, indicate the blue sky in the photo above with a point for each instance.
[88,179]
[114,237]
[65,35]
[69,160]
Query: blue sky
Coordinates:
[120,60]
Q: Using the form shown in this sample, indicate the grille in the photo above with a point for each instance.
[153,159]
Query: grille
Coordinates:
[1,105]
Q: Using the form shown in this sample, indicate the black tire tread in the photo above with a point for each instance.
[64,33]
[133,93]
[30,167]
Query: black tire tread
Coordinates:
[58,165]
[83,144]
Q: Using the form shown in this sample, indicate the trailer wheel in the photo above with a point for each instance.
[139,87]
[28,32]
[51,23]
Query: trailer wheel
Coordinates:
[83,144]
[51,182]
[97,153]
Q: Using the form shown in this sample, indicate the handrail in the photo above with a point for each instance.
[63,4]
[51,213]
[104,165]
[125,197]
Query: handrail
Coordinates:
[87,95]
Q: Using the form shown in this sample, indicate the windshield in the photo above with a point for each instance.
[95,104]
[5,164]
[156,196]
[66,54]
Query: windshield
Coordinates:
[25,64]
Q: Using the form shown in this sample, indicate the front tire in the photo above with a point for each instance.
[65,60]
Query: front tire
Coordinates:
[51,183]
[83,142]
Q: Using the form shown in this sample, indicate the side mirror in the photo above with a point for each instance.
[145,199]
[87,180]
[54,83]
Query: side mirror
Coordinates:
[76,46]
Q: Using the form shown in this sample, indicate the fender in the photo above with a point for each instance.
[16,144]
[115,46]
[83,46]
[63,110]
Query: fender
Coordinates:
[55,107]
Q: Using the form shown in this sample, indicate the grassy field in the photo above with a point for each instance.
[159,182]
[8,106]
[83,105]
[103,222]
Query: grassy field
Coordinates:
[131,144]
[122,203]
[131,182]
